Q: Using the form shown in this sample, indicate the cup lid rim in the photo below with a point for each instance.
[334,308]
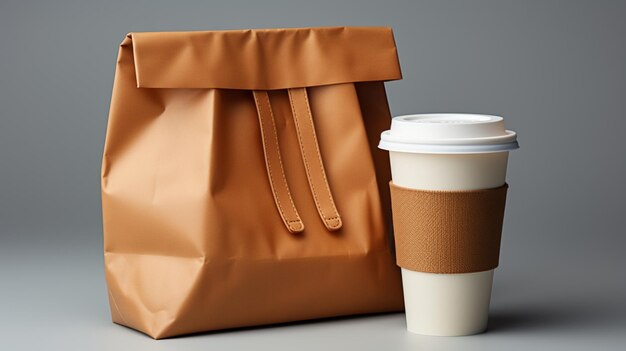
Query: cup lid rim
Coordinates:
[447,149]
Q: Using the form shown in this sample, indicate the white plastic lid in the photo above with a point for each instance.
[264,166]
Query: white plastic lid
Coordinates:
[448,133]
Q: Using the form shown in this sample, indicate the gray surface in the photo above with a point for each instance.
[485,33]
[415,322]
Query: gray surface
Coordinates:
[555,70]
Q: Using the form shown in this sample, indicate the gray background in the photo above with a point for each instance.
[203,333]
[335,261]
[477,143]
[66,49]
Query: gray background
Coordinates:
[555,69]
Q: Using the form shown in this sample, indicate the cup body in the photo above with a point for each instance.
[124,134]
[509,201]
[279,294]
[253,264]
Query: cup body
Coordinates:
[447,304]
[448,152]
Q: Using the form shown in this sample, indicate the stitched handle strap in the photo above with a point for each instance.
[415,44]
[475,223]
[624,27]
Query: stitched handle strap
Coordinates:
[274,164]
[312,159]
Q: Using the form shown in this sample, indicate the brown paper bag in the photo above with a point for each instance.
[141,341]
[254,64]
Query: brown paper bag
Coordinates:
[241,182]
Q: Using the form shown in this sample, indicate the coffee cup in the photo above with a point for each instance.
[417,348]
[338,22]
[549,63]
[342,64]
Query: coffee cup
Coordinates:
[444,155]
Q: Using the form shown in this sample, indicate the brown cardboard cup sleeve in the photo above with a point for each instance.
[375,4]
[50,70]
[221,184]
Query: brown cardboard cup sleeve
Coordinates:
[447,231]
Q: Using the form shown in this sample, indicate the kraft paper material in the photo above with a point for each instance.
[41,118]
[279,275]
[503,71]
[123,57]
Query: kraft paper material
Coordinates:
[197,237]
[447,231]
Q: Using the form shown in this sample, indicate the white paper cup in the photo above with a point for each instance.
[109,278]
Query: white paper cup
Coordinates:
[448,152]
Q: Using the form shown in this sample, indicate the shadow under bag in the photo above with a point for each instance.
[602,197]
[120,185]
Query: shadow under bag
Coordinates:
[241,182]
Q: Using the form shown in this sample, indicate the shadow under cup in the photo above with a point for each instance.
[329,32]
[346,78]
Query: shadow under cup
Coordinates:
[448,161]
